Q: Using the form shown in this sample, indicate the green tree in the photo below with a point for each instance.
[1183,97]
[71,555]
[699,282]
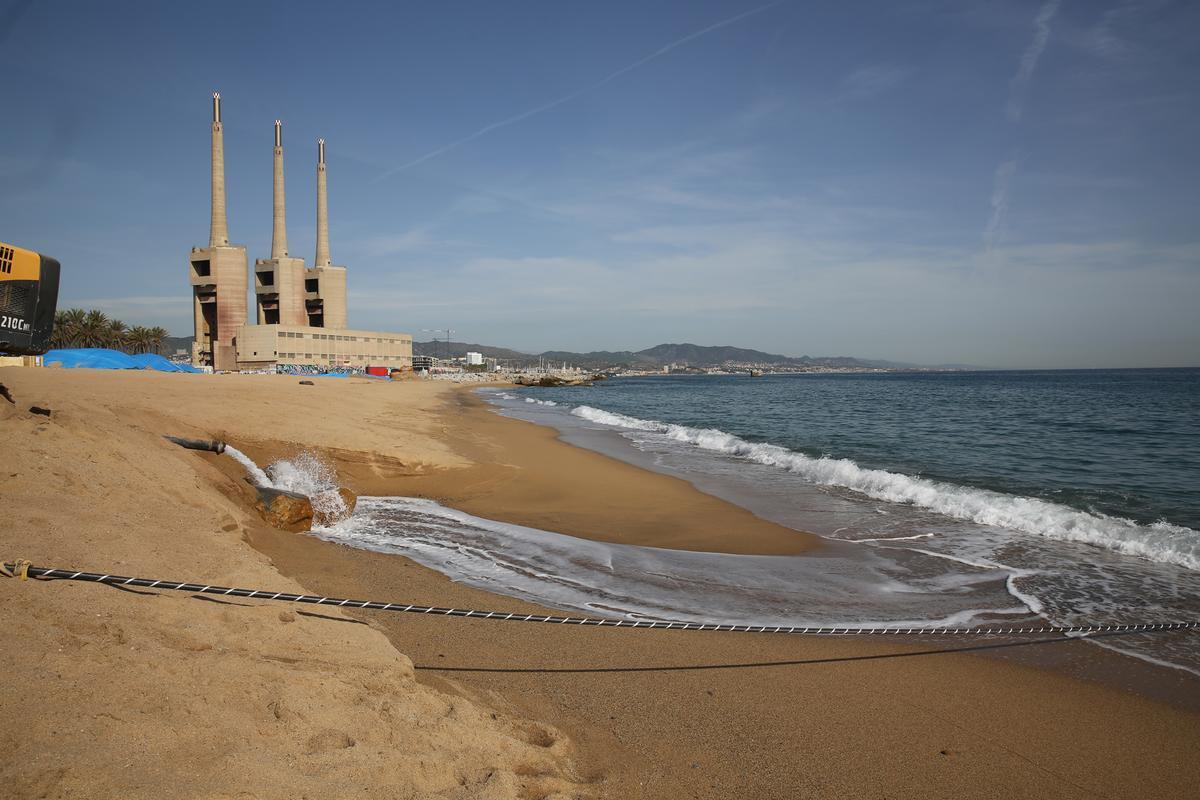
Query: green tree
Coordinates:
[137,339]
[115,336]
[75,327]
[158,337]
[94,330]
[68,327]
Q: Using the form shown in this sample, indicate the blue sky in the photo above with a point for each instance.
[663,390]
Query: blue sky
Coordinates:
[1004,184]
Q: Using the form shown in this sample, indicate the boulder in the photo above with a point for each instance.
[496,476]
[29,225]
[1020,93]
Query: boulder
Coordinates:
[286,510]
[329,513]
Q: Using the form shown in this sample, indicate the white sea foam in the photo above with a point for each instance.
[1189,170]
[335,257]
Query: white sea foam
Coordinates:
[305,474]
[1161,541]
[868,589]
[535,401]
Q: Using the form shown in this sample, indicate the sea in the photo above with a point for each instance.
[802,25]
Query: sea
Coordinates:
[945,499]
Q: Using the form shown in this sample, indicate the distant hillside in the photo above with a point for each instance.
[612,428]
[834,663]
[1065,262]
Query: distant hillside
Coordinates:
[442,349]
[692,355]
[602,358]
[698,356]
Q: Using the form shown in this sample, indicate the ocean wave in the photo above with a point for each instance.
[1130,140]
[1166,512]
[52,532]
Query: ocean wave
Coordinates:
[867,590]
[1160,541]
[535,401]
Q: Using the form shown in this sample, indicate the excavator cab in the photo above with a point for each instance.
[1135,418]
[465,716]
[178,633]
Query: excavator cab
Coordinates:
[28,300]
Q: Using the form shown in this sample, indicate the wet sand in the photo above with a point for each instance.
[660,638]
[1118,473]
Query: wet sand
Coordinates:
[659,714]
[569,711]
[664,715]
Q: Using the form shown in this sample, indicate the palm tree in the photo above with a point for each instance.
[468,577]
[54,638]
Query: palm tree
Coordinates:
[75,327]
[115,336]
[60,337]
[94,330]
[139,339]
[68,327]
[158,337]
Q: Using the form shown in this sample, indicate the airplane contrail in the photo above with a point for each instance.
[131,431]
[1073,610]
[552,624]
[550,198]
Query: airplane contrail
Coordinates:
[1029,59]
[486,129]
[995,226]
[1013,109]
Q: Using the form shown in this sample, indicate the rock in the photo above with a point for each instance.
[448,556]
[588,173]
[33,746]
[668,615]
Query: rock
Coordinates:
[307,383]
[286,510]
[45,412]
[328,511]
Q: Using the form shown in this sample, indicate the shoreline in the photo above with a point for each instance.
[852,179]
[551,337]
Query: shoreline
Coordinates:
[448,658]
[1119,669]
[610,713]
[523,473]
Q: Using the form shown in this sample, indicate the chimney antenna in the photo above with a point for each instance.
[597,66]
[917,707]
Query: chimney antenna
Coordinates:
[279,247]
[218,231]
[322,258]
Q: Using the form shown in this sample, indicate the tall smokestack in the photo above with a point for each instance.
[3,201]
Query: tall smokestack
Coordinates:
[218,231]
[322,259]
[279,231]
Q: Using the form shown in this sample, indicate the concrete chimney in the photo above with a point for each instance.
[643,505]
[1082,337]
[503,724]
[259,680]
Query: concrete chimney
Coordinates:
[218,232]
[322,259]
[279,248]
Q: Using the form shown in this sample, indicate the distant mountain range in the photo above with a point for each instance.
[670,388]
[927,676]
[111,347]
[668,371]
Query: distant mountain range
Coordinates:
[693,355]
[656,357]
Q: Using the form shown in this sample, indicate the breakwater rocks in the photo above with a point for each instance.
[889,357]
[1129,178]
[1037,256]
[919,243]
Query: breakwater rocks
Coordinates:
[551,381]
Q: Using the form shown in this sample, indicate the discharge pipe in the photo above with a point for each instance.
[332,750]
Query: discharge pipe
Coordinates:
[211,445]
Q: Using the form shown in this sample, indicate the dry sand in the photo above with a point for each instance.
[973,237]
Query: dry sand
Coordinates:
[116,694]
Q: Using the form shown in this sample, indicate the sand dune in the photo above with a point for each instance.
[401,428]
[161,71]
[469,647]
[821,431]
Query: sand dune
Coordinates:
[120,694]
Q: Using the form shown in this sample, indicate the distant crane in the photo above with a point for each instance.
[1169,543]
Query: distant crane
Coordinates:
[435,331]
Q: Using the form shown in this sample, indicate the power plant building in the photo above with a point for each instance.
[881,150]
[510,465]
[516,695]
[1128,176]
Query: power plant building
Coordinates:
[281,275]
[264,346]
[300,310]
[218,273]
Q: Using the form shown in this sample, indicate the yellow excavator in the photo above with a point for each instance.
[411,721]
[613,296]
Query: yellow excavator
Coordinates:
[28,300]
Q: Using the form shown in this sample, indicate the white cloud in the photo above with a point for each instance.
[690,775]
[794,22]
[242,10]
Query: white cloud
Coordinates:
[173,312]
[169,302]
[1000,189]
[1029,59]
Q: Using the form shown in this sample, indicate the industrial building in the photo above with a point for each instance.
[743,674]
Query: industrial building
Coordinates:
[218,273]
[264,346]
[300,310]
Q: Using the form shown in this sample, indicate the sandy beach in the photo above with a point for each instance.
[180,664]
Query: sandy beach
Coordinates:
[144,693]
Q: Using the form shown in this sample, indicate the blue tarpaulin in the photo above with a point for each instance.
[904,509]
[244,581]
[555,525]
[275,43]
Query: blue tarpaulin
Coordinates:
[100,358]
